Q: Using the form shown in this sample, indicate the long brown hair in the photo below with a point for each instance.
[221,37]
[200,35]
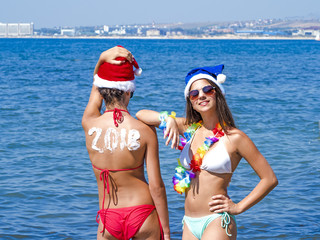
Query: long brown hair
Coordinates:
[224,114]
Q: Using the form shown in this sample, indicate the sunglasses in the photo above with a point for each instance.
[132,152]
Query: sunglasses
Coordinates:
[208,90]
[131,94]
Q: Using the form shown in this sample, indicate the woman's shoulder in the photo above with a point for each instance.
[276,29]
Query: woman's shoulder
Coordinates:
[90,122]
[236,134]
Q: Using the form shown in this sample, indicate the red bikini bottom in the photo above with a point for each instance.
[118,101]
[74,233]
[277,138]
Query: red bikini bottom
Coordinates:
[124,223]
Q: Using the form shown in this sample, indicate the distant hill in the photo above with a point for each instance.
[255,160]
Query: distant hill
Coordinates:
[296,24]
[285,24]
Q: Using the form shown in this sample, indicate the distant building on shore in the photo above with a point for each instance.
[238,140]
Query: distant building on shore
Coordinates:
[248,32]
[306,32]
[16,29]
[117,31]
[106,28]
[70,32]
[153,33]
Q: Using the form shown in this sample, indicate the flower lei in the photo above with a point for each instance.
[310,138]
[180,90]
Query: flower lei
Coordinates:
[182,178]
[163,119]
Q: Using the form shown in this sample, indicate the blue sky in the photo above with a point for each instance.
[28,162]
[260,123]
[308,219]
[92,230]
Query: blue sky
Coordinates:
[71,13]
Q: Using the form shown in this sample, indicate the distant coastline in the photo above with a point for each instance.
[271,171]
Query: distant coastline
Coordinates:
[222,37]
[261,29]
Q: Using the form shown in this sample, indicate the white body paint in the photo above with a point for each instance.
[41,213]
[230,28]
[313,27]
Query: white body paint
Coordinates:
[112,138]
[95,140]
[133,137]
[123,134]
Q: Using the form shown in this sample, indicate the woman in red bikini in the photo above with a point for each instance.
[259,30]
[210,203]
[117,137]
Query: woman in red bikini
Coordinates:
[118,145]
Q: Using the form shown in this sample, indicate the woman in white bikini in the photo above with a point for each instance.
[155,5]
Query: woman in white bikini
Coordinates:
[213,148]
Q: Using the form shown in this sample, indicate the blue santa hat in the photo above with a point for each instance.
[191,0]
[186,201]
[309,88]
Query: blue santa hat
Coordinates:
[213,74]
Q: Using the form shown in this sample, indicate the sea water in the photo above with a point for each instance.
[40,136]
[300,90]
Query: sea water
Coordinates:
[47,187]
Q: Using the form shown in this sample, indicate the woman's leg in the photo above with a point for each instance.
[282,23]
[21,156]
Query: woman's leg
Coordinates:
[104,235]
[215,231]
[150,229]
[187,234]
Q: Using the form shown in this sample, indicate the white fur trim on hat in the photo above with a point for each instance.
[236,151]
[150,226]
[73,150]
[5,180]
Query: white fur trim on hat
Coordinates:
[203,76]
[126,86]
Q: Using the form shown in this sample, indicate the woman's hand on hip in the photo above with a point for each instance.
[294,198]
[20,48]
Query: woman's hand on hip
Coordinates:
[221,203]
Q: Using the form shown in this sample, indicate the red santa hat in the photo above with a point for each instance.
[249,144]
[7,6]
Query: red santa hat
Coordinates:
[118,76]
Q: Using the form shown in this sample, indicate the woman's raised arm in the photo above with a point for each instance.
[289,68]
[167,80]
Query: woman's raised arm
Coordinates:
[93,107]
[95,101]
[173,126]
[110,56]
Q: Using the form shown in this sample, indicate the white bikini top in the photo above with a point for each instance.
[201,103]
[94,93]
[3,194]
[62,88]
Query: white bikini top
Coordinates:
[216,160]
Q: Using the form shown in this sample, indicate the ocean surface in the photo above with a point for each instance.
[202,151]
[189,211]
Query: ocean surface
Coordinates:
[47,186]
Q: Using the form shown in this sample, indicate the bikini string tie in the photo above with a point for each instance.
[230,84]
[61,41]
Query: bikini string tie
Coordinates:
[117,115]
[225,221]
[98,219]
[104,176]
